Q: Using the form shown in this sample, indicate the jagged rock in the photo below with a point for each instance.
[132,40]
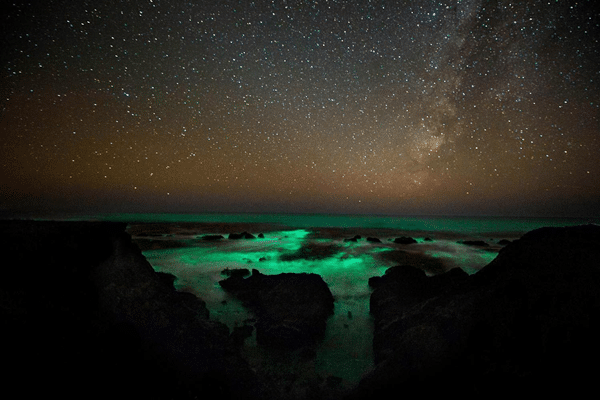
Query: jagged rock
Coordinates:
[526,322]
[291,309]
[353,239]
[405,240]
[375,281]
[168,278]
[236,272]
[479,243]
[241,333]
[212,237]
[117,326]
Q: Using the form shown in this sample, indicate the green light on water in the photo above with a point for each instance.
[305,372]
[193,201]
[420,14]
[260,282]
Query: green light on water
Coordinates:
[468,259]
[242,251]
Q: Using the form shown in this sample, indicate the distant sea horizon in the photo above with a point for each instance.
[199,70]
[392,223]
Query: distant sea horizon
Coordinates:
[460,224]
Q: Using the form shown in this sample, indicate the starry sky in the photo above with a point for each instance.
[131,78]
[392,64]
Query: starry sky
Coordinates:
[463,107]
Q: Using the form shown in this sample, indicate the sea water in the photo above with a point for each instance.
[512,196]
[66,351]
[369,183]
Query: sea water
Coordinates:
[174,243]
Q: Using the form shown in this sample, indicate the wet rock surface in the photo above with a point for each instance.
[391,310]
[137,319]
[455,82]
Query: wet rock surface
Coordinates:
[291,309]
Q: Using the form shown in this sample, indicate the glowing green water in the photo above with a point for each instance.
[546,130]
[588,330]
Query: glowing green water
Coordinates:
[345,266]
[463,225]
[346,350]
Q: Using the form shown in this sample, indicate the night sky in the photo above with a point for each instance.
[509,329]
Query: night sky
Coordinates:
[468,107]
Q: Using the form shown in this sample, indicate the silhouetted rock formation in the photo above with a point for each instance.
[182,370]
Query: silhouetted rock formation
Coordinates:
[405,240]
[236,272]
[212,237]
[373,239]
[479,243]
[291,309]
[527,323]
[241,333]
[85,310]
[401,288]
[82,308]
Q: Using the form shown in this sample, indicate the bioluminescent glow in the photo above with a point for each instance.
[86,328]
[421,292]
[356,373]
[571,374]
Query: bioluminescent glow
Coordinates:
[344,265]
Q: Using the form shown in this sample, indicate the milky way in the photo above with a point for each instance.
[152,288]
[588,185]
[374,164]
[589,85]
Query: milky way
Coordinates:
[400,107]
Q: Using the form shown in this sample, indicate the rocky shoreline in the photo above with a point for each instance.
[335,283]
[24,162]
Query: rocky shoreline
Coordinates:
[526,323]
[102,318]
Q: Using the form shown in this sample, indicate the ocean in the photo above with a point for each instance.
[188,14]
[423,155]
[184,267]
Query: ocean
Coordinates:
[318,244]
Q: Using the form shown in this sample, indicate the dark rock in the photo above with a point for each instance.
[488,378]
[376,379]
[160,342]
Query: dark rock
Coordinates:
[373,240]
[236,272]
[375,281]
[192,303]
[428,239]
[261,236]
[530,317]
[167,278]
[96,304]
[400,286]
[353,239]
[307,353]
[291,309]
[212,237]
[333,381]
[427,263]
[405,240]
[479,243]
[241,333]
[504,242]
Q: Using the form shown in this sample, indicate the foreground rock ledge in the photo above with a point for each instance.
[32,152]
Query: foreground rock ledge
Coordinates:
[85,314]
[292,309]
[527,323]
